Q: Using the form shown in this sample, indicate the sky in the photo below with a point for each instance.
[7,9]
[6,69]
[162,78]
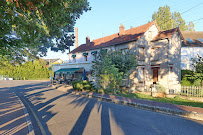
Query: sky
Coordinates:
[106,16]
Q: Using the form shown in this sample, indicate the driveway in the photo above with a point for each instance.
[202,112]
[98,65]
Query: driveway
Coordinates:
[62,113]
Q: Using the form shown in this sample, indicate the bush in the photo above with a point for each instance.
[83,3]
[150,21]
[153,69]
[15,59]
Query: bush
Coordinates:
[160,88]
[184,73]
[82,85]
[185,82]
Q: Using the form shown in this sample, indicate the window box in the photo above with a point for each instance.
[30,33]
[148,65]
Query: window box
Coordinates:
[74,55]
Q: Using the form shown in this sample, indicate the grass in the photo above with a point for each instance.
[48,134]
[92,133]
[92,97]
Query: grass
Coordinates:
[176,100]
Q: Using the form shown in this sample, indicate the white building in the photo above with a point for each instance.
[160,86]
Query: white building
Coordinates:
[191,47]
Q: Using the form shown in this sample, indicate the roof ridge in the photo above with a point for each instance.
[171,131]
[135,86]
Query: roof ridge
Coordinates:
[113,39]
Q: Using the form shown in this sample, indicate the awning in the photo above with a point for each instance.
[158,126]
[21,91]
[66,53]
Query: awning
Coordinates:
[68,70]
[85,54]
[94,52]
[74,55]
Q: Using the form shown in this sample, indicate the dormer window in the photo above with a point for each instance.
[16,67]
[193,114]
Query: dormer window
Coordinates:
[85,55]
[189,40]
[201,40]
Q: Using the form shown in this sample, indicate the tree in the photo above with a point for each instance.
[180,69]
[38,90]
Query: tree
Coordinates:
[178,21]
[109,69]
[197,76]
[31,27]
[191,26]
[163,17]
[167,20]
[197,64]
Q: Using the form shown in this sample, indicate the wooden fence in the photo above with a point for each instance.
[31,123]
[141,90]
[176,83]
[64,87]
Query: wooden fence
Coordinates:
[191,91]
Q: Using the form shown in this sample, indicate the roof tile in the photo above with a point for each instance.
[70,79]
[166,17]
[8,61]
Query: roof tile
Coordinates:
[132,34]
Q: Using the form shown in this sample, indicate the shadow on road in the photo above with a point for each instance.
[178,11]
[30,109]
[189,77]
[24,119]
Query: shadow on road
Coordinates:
[124,119]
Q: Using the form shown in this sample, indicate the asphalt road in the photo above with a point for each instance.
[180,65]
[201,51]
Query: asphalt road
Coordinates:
[62,113]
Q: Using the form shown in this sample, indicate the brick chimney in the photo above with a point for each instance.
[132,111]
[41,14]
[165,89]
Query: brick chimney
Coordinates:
[87,40]
[76,37]
[121,29]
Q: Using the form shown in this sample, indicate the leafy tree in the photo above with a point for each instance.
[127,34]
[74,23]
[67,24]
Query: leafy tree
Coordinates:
[197,76]
[198,64]
[31,27]
[178,21]
[109,68]
[191,26]
[124,61]
[163,17]
[168,20]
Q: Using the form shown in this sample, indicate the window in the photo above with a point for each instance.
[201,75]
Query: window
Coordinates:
[85,55]
[170,74]
[124,50]
[73,55]
[85,58]
[74,59]
[189,40]
[155,53]
[201,40]
[150,34]
[155,75]
[141,54]
[140,75]
[94,53]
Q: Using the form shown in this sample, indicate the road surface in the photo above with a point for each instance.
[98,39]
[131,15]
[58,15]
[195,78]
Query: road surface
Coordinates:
[61,113]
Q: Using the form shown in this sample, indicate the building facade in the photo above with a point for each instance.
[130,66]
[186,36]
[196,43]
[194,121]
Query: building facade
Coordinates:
[159,55]
[191,48]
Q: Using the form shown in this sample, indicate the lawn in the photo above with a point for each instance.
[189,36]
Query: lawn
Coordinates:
[176,100]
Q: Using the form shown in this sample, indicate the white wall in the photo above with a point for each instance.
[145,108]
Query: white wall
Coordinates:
[187,53]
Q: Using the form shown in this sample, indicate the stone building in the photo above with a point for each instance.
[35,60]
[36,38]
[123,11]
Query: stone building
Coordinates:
[159,55]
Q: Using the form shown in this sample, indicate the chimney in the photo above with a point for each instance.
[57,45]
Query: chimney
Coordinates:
[87,40]
[76,37]
[121,29]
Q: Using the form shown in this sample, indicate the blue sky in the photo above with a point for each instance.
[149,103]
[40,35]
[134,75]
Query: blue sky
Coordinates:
[106,15]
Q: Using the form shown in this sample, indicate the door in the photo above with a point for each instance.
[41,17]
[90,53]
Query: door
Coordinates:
[155,75]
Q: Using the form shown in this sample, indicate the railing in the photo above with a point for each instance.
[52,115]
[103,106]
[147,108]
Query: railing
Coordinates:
[191,91]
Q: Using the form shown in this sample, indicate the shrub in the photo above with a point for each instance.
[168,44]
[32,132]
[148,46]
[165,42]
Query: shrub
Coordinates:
[185,82]
[82,85]
[160,88]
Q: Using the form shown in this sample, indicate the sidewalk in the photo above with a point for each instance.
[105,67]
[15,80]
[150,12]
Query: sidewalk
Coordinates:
[172,109]
[14,118]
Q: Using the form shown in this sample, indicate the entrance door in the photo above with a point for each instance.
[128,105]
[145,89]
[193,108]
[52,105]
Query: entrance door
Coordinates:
[155,75]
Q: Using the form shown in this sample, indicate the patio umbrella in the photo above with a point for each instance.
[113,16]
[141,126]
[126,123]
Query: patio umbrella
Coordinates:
[84,77]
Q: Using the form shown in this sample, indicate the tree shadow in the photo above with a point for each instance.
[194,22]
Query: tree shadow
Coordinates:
[33,97]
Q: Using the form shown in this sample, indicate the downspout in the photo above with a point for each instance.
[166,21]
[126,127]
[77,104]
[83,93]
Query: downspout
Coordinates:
[168,61]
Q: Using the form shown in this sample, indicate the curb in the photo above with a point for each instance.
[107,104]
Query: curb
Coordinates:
[191,115]
[27,116]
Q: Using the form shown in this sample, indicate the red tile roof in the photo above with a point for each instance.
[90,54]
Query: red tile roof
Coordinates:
[132,34]
[166,34]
